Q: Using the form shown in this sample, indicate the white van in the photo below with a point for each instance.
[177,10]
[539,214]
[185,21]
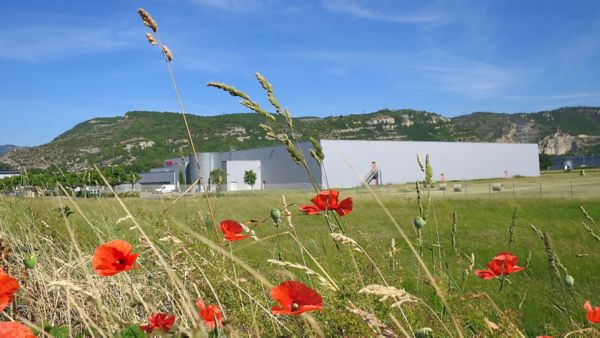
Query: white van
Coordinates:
[166,188]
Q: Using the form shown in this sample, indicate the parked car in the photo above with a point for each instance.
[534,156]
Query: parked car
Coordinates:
[165,188]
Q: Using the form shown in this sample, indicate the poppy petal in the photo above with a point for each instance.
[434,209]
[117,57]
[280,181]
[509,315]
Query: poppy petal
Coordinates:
[8,287]
[147,328]
[200,304]
[345,207]
[485,274]
[236,237]
[113,257]
[232,230]
[310,209]
[326,199]
[305,308]
[278,310]
[15,330]
[295,298]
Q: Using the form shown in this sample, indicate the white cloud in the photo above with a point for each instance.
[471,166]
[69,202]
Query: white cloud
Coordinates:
[436,69]
[362,10]
[234,5]
[245,6]
[558,97]
[472,78]
[37,43]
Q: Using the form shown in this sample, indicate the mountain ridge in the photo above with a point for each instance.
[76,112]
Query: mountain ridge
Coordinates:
[5,148]
[143,139]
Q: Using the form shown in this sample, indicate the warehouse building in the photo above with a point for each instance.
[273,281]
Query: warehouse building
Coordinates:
[350,162]
[9,173]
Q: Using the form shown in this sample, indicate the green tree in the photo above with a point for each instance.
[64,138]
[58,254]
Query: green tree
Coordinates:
[217,178]
[181,178]
[545,161]
[250,178]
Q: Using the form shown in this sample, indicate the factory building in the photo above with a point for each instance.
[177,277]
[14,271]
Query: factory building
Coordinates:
[350,162]
[9,173]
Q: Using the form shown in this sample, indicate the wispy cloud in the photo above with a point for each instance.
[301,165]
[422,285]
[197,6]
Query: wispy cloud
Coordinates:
[444,71]
[472,78]
[361,9]
[232,5]
[44,42]
[557,97]
[245,6]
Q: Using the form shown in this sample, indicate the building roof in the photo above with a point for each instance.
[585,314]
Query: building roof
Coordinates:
[163,177]
[10,172]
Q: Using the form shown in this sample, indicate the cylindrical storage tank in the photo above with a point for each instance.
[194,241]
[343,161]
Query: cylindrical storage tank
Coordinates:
[205,164]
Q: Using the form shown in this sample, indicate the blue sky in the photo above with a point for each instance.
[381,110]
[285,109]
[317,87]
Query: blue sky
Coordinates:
[63,62]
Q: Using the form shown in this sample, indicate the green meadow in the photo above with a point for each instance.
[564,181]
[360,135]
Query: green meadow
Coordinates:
[63,232]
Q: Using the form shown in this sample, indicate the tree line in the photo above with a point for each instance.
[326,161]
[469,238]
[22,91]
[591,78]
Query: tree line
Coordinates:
[48,180]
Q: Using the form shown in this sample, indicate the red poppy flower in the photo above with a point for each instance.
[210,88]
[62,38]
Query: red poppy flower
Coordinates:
[232,230]
[113,257]
[295,298]
[328,200]
[211,315]
[159,321]
[15,330]
[506,259]
[593,314]
[8,287]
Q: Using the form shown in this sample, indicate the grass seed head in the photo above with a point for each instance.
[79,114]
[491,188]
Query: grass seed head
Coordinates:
[167,52]
[230,89]
[399,296]
[147,19]
[420,162]
[151,39]
[425,332]
[345,240]
[372,321]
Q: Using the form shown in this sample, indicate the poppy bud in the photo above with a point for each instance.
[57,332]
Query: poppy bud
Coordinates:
[569,281]
[276,215]
[424,333]
[30,261]
[419,222]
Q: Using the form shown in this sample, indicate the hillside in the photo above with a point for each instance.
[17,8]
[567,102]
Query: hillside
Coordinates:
[6,148]
[144,139]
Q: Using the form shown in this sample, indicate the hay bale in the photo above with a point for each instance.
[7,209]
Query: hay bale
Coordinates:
[442,186]
[497,187]
[457,187]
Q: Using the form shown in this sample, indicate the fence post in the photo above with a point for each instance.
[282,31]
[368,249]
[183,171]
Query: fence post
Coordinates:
[489,191]
[540,189]
[571,189]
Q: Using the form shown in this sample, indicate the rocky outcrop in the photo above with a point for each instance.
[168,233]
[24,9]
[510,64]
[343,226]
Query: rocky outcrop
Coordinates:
[559,144]
[526,132]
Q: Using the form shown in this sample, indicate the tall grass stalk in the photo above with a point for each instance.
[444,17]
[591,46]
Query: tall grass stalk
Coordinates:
[185,297]
[168,58]
[421,263]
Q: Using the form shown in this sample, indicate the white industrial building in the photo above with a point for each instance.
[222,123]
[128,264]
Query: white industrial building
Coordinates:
[348,162]
[9,173]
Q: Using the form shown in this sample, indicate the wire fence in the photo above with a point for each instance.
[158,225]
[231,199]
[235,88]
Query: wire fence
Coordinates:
[572,188]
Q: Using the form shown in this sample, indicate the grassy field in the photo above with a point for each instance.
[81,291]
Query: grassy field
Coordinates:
[62,290]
